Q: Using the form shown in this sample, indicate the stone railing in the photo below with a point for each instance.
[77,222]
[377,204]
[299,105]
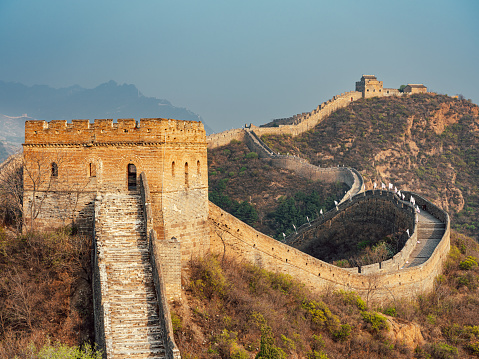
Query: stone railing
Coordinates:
[172,351]
[98,312]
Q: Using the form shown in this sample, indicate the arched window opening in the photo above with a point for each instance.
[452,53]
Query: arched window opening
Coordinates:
[198,168]
[92,170]
[173,169]
[186,175]
[131,177]
[54,170]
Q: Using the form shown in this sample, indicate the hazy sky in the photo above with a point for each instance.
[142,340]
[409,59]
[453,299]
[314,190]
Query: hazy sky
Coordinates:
[235,62]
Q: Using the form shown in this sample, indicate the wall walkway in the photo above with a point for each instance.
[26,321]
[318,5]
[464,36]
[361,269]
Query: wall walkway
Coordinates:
[391,280]
[411,271]
[129,309]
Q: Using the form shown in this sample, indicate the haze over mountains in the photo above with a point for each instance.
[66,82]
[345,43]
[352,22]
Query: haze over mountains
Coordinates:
[109,100]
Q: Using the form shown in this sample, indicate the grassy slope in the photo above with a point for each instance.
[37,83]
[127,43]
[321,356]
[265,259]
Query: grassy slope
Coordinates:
[231,309]
[424,143]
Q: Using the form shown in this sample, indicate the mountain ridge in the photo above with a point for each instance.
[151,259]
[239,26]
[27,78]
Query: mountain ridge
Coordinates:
[423,143]
[107,100]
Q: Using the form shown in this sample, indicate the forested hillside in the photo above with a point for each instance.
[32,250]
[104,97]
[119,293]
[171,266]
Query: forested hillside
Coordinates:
[270,199]
[428,144]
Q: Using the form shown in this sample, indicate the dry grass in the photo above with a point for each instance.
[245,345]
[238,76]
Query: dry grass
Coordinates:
[45,291]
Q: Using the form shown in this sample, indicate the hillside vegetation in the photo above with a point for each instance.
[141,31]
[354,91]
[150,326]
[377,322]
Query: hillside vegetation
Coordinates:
[428,144]
[45,295]
[270,199]
[236,310]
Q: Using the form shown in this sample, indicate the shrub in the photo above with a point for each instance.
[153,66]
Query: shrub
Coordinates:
[376,321]
[342,333]
[282,282]
[473,348]
[288,343]
[251,155]
[317,342]
[208,278]
[313,354]
[443,351]
[267,348]
[176,322]
[321,315]
[454,253]
[352,298]
[228,347]
[467,280]
[468,263]
[62,351]
[391,311]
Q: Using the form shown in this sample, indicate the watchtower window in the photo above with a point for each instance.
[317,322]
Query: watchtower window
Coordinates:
[173,169]
[92,170]
[198,168]
[186,175]
[131,177]
[54,170]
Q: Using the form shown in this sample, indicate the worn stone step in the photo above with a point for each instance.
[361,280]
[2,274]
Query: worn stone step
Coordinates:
[133,311]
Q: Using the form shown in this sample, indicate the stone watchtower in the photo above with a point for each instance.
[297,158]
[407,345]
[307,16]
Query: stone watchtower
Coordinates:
[67,165]
[369,86]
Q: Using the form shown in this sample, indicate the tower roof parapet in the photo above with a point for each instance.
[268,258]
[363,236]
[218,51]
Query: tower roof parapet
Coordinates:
[103,131]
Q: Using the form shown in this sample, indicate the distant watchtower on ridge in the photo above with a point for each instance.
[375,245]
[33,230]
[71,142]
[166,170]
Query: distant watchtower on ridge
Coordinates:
[369,86]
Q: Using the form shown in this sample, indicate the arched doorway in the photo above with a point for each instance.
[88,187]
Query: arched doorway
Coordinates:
[131,177]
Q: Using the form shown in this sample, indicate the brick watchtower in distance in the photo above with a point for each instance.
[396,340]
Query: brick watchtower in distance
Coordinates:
[68,164]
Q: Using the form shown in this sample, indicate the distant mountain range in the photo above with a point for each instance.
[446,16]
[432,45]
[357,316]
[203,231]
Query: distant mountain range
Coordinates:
[109,100]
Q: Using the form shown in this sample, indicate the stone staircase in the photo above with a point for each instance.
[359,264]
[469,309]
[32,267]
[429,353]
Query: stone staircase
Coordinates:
[133,328]
[429,233]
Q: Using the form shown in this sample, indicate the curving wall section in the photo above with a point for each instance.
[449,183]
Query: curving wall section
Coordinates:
[230,236]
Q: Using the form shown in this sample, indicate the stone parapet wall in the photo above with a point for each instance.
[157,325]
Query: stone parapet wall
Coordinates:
[97,274]
[224,138]
[394,213]
[167,251]
[165,260]
[60,132]
[303,168]
[230,236]
[172,351]
[299,124]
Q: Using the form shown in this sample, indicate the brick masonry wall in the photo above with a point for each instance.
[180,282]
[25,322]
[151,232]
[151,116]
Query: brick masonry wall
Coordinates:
[225,137]
[379,207]
[301,123]
[94,157]
[231,237]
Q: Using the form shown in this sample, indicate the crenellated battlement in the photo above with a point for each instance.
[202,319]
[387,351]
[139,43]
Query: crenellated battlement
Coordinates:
[104,131]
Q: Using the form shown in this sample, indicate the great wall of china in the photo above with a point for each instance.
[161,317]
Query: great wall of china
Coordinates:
[141,190]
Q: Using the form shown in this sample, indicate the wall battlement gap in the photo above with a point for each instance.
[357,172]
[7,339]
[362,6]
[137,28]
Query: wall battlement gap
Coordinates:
[106,131]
